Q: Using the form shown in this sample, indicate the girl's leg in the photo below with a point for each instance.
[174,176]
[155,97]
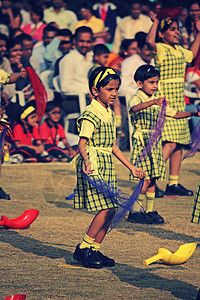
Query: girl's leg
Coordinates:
[150,195]
[168,149]
[100,224]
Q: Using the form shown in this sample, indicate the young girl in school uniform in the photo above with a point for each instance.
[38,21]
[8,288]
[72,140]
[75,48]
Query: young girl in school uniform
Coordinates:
[97,144]
[170,59]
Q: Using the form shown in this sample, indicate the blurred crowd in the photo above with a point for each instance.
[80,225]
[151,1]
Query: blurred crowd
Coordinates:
[63,47]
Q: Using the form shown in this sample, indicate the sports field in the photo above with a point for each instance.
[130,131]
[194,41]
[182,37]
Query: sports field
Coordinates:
[38,261]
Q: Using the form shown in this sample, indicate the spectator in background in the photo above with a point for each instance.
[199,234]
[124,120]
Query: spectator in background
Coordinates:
[36,27]
[128,47]
[107,11]
[89,20]
[27,49]
[49,33]
[146,7]
[58,14]
[130,65]
[7,91]
[10,15]
[59,46]
[190,25]
[130,25]
[74,67]
[181,24]
[14,49]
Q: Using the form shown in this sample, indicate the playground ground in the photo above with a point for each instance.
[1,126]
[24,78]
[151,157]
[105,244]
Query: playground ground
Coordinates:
[38,261]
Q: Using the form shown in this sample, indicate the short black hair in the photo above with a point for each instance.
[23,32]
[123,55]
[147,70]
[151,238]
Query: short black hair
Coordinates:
[51,105]
[64,32]
[103,82]
[140,37]
[25,37]
[83,29]
[145,72]
[100,49]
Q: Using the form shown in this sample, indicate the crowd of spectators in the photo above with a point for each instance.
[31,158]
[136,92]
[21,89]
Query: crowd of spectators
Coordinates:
[58,44]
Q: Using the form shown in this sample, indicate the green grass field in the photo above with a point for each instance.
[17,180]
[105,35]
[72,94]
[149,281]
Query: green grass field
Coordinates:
[38,261]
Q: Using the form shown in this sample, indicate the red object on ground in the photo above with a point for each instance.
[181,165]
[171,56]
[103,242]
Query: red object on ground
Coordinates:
[16,297]
[21,222]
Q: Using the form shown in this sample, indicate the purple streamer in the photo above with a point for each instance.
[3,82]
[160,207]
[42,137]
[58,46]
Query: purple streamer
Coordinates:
[123,200]
[2,141]
[70,196]
[195,142]
[155,134]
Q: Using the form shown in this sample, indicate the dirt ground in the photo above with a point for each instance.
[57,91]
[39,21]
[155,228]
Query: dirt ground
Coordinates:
[37,261]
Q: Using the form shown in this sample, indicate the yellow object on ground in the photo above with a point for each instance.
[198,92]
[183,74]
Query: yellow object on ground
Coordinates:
[183,253]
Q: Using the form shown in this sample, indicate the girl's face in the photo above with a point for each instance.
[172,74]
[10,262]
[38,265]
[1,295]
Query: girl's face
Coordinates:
[32,120]
[171,36]
[54,115]
[107,94]
[149,86]
[132,49]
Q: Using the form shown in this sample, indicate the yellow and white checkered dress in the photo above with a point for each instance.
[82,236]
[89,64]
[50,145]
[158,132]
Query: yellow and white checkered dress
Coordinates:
[86,196]
[171,63]
[142,122]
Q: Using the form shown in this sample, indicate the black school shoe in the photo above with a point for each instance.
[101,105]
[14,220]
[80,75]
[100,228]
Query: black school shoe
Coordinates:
[158,192]
[156,218]
[107,262]
[177,189]
[139,217]
[3,195]
[88,258]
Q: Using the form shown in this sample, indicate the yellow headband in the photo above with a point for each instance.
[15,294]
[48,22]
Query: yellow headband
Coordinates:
[165,21]
[27,112]
[106,73]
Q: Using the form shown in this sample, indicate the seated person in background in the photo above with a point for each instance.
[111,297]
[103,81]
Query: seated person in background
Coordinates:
[49,33]
[59,46]
[16,59]
[100,33]
[192,93]
[27,49]
[27,145]
[53,135]
[35,28]
[101,54]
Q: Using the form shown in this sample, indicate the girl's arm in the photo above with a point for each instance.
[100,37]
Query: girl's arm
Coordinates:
[137,172]
[195,46]
[186,114]
[147,104]
[82,148]
[151,36]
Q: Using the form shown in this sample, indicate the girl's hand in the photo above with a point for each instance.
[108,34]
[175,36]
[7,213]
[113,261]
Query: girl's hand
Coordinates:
[137,172]
[87,167]
[159,101]
[39,149]
[153,16]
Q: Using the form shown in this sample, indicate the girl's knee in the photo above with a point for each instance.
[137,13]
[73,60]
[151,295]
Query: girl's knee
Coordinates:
[110,213]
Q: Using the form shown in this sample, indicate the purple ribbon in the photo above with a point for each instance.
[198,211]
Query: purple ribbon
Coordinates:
[123,200]
[155,134]
[2,141]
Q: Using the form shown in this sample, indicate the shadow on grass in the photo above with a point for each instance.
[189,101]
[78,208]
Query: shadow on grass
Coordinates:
[30,245]
[142,278]
[157,232]
[137,277]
